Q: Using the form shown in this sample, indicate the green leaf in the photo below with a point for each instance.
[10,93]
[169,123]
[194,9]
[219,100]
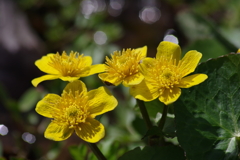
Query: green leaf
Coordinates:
[153,107]
[29,99]
[155,153]
[78,152]
[208,115]
[153,131]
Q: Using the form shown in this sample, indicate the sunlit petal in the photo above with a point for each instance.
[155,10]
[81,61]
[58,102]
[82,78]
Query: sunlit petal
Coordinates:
[146,64]
[106,77]
[92,131]
[192,80]
[133,79]
[142,51]
[58,132]
[87,60]
[144,91]
[47,105]
[169,97]
[43,64]
[76,86]
[168,51]
[38,80]
[189,62]
[97,68]
[100,101]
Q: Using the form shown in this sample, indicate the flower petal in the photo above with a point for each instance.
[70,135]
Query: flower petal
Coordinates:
[43,64]
[97,68]
[106,77]
[87,60]
[47,105]
[142,50]
[133,79]
[76,86]
[69,78]
[58,132]
[144,91]
[92,131]
[192,80]
[169,51]
[189,62]
[169,97]
[100,101]
[146,64]
[38,80]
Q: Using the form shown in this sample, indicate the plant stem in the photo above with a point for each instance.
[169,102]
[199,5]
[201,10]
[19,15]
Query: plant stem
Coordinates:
[163,118]
[96,151]
[144,113]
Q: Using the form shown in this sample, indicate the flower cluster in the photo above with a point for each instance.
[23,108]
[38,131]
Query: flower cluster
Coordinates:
[148,79]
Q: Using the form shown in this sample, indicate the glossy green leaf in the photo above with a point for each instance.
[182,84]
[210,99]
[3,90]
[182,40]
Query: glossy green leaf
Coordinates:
[208,115]
[155,153]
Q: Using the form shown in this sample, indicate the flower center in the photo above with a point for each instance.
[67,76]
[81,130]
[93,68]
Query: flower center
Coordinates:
[163,75]
[71,65]
[74,115]
[72,109]
[124,64]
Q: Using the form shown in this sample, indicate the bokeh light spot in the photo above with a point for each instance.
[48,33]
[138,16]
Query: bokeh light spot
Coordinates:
[171,38]
[28,137]
[100,37]
[3,130]
[150,14]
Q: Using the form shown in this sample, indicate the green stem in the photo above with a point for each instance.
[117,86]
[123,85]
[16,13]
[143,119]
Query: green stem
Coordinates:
[96,151]
[144,113]
[163,118]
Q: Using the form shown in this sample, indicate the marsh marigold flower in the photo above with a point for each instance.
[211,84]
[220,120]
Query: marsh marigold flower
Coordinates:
[123,67]
[75,110]
[167,73]
[66,67]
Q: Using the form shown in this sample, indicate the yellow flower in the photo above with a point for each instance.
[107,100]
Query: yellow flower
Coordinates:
[75,110]
[166,74]
[123,67]
[238,51]
[66,67]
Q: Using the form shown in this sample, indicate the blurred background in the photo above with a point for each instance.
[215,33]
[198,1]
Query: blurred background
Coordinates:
[30,29]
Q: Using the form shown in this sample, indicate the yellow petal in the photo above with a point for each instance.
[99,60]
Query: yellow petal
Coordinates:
[47,105]
[76,86]
[58,132]
[189,62]
[169,97]
[43,64]
[68,78]
[144,91]
[38,80]
[106,77]
[238,51]
[192,80]
[142,51]
[133,79]
[85,71]
[169,51]
[100,101]
[92,131]
[146,64]
[87,60]
[97,68]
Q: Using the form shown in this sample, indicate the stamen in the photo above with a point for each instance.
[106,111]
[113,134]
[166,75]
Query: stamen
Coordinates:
[71,65]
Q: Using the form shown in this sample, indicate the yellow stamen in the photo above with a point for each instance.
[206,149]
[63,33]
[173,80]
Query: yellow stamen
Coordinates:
[72,109]
[67,65]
